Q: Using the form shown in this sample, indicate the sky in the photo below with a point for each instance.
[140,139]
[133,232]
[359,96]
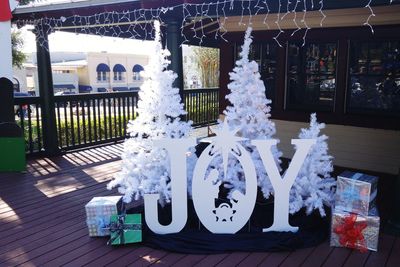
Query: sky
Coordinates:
[71,42]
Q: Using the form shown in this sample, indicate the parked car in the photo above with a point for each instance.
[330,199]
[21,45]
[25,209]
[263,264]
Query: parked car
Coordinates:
[22,110]
[64,93]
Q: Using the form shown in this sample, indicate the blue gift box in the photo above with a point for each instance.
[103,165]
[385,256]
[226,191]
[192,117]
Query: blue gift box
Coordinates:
[98,213]
[356,192]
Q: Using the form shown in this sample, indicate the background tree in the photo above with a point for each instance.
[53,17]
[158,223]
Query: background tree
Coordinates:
[18,57]
[208,64]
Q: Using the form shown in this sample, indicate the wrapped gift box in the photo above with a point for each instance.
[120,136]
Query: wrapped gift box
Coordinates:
[356,192]
[355,231]
[98,213]
[125,229]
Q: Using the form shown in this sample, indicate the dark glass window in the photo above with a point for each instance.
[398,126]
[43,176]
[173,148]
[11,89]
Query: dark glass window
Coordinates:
[374,77]
[311,76]
[265,55]
[117,76]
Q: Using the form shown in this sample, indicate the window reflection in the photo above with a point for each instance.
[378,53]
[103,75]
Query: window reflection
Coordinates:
[375,76]
[311,74]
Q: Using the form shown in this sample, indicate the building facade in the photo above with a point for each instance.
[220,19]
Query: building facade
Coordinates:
[90,72]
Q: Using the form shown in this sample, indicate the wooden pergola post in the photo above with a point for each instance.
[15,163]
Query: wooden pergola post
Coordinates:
[50,140]
[173,42]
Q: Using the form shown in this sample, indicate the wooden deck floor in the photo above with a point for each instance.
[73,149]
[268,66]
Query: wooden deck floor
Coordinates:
[42,223]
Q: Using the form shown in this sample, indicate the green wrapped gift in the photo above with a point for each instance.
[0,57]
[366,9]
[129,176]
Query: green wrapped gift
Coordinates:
[125,229]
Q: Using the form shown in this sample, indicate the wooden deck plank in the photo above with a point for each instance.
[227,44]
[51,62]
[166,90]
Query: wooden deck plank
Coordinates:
[26,203]
[50,251]
[254,259]
[380,257]
[357,258]
[47,242]
[233,259]
[32,192]
[169,259]
[337,258]
[275,259]
[21,231]
[189,260]
[81,259]
[211,260]
[319,255]
[111,256]
[31,215]
[297,257]
[131,256]
[64,165]
[60,236]
[148,259]
[72,251]
[394,257]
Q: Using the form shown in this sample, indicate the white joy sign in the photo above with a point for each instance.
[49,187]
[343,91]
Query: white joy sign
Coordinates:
[227,218]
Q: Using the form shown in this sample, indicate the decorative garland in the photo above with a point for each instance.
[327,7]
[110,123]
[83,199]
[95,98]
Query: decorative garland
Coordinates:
[138,23]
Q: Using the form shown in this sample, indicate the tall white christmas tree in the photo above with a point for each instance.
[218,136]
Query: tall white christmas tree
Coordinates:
[146,168]
[249,114]
[314,186]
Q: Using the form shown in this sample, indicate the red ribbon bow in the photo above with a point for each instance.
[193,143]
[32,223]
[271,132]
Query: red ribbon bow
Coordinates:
[350,233]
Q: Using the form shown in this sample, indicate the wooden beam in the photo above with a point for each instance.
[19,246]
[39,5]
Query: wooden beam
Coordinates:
[384,15]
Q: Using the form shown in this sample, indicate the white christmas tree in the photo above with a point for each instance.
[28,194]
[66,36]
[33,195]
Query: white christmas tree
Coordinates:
[314,186]
[249,115]
[146,168]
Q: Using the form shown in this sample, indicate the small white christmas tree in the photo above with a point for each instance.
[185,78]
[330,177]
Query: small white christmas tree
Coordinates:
[145,168]
[249,114]
[314,186]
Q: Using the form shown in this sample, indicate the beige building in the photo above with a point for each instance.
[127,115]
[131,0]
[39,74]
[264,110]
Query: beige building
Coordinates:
[112,72]
[90,72]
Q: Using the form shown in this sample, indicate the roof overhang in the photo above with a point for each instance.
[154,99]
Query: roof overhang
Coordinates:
[103,17]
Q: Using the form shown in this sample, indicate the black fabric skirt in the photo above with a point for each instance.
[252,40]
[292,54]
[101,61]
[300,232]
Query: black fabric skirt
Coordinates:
[196,239]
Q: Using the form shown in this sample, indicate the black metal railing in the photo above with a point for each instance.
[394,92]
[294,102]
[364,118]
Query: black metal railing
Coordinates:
[92,119]
[28,117]
[84,120]
[202,105]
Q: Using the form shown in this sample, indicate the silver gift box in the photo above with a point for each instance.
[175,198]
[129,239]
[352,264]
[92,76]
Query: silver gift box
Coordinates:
[370,233]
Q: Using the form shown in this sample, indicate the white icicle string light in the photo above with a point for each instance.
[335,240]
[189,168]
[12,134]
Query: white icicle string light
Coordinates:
[295,18]
[266,15]
[185,17]
[287,10]
[279,26]
[372,14]
[305,22]
[222,26]
[136,24]
[201,25]
[258,7]
[218,21]
[241,16]
[322,12]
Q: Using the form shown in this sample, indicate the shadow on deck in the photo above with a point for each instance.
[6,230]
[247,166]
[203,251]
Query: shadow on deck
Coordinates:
[42,223]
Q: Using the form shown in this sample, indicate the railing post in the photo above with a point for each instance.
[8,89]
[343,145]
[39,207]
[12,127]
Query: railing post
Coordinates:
[50,141]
